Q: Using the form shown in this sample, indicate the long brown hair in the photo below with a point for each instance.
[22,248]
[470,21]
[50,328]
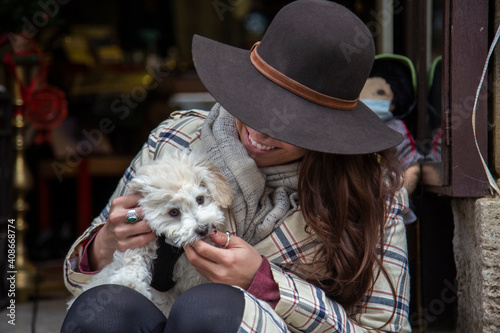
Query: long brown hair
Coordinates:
[343,200]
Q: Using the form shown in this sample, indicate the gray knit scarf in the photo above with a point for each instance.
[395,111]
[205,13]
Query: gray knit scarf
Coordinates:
[263,197]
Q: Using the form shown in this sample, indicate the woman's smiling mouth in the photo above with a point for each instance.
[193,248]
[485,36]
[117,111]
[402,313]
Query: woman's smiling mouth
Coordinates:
[258,145]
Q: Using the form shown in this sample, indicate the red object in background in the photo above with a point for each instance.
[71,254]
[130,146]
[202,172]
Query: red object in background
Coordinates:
[46,108]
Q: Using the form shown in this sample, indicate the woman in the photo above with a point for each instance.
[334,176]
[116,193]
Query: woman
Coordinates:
[319,240]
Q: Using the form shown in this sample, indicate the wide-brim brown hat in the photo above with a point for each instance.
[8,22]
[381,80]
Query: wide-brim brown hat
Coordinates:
[301,84]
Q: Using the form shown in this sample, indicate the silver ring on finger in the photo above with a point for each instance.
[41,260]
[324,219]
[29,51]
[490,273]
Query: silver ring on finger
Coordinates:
[132,216]
[228,233]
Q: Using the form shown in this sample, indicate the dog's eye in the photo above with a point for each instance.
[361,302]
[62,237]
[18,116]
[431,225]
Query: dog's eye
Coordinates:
[200,200]
[174,212]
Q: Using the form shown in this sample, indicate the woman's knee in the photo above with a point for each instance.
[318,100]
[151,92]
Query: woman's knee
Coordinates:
[111,308]
[208,308]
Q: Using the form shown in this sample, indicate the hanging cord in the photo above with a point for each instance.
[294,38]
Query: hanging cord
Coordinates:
[491,180]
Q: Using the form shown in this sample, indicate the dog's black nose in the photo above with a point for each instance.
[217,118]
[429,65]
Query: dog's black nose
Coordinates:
[202,230]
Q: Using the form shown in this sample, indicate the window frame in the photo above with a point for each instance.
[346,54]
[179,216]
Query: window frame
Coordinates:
[465,46]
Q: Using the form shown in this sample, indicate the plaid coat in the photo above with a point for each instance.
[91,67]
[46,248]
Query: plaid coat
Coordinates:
[302,306]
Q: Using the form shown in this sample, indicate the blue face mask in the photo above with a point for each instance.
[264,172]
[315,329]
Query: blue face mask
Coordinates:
[380,107]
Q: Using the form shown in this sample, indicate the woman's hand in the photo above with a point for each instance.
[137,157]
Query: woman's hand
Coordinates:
[118,234]
[234,265]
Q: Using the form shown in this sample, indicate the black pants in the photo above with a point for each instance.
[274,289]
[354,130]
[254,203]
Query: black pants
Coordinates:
[113,308]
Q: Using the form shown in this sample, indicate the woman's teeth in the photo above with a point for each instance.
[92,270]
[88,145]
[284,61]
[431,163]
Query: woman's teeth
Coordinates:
[258,145]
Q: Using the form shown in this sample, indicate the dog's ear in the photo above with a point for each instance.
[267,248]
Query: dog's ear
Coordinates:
[219,187]
[138,184]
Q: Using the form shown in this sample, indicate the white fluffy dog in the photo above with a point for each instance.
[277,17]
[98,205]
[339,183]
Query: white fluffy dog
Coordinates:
[183,197]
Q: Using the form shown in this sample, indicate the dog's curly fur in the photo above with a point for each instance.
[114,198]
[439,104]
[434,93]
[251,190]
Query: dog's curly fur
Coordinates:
[183,197]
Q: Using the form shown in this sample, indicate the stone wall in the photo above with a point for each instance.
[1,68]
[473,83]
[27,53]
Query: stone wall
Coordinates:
[477,256]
